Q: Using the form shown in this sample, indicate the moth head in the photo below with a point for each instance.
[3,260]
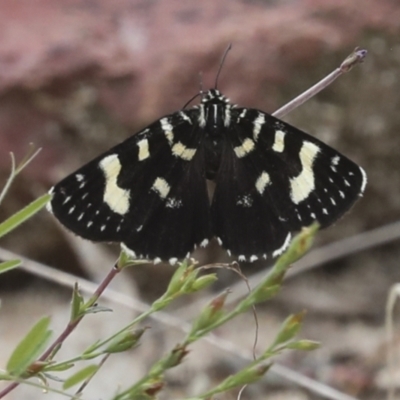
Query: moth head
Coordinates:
[214,96]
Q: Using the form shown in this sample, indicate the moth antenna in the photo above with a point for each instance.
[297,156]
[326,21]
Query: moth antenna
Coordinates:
[201,92]
[191,99]
[221,64]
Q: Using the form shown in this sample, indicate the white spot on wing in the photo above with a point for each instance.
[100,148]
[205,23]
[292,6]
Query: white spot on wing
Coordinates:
[325,211]
[173,260]
[285,245]
[204,243]
[303,184]
[258,123]
[262,182]
[242,258]
[161,186]
[157,260]
[246,147]
[67,199]
[71,210]
[89,224]
[245,201]
[185,117]
[253,258]
[79,177]
[173,202]
[143,149]
[114,196]
[48,205]
[167,128]
[335,160]
[180,150]
[279,142]
[364,181]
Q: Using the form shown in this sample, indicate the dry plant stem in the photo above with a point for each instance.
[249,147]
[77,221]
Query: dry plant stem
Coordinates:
[353,59]
[71,325]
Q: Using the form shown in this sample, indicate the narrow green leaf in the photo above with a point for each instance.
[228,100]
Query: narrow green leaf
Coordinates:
[59,367]
[29,348]
[76,303]
[21,216]
[9,265]
[80,376]
[305,345]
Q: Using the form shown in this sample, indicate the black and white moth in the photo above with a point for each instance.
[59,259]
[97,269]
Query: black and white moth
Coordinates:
[149,193]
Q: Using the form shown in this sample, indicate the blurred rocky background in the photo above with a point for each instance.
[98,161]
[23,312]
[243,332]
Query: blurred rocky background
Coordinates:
[78,76]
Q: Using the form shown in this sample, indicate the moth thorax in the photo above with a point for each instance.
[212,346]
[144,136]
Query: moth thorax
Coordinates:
[217,118]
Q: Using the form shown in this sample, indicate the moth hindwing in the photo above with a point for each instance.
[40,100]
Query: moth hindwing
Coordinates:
[149,193]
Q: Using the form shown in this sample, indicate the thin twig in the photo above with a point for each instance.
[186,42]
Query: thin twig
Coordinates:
[356,57]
